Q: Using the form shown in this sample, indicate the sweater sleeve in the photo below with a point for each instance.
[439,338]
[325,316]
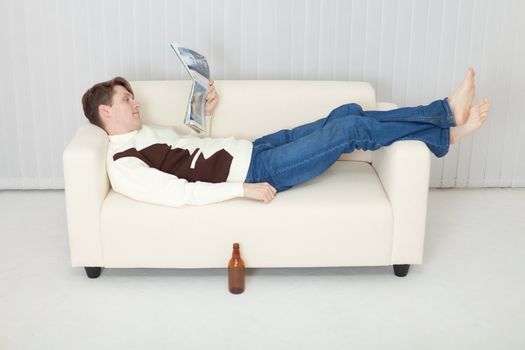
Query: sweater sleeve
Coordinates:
[133,178]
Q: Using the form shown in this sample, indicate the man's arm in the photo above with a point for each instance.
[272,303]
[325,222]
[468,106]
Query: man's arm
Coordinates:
[132,177]
[261,191]
[212,99]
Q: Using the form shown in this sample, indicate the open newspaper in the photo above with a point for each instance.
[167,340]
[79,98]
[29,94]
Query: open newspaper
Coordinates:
[197,67]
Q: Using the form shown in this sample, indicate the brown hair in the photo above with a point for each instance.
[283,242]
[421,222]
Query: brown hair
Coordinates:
[101,94]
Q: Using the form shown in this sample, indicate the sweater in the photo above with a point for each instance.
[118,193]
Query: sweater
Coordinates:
[159,166]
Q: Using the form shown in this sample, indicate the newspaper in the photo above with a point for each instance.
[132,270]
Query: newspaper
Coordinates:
[197,67]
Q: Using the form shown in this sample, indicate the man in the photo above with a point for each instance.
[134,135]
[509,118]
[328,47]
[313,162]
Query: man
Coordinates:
[159,166]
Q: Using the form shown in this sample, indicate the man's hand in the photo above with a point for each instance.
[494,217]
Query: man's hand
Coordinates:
[212,98]
[262,191]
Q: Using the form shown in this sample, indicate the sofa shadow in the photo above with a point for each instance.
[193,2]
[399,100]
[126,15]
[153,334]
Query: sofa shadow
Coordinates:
[265,272]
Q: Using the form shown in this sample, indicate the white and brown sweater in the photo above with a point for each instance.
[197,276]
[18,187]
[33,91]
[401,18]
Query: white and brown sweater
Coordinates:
[159,166]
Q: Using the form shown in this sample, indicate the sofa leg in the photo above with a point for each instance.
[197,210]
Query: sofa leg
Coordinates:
[401,270]
[93,272]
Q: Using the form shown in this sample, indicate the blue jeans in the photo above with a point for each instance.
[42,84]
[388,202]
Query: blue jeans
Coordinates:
[291,156]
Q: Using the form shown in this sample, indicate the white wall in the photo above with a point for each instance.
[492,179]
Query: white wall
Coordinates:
[411,51]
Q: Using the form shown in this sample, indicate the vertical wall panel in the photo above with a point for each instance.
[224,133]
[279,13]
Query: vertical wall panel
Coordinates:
[266,38]
[204,17]
[402,38]
[250,44]
[327,43]
[460,57]
[517,106]
[470,145]
[483,139]
[311,40]
[445,79]
[5,64]
[416,54]
[141,34]
[298,42]
[58,67]
[342,42]
[497,155]
[470,12]
[411,51]
[159,46]
[173,33]
[373,42]
[493,147]
[232,37]
[43,155]
[386,51]
[22,94]
[13,176]
[509,35]
[111,39]
[283,41]
[357,40]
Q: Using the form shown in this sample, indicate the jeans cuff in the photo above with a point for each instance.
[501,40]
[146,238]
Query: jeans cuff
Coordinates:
[450,118]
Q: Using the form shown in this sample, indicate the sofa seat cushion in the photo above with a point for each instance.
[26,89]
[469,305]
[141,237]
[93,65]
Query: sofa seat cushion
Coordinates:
[301,227]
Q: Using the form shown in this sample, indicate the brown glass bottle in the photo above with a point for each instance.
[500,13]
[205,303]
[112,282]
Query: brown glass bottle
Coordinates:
[236,271]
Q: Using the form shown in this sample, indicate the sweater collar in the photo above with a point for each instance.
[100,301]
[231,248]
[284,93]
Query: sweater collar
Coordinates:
[119,138]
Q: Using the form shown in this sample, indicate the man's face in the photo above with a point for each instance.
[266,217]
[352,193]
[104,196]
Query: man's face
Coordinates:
[123,115]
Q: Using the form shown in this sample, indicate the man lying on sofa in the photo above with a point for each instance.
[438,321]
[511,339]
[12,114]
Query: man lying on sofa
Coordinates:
[159,166]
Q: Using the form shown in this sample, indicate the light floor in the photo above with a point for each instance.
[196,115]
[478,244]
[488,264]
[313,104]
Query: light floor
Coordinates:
[468,294]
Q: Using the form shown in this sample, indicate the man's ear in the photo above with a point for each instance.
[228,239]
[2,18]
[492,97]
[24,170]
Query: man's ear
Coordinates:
[103,111]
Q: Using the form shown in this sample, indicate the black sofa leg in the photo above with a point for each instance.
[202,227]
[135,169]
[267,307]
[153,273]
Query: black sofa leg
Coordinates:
[93,272]
[401,270]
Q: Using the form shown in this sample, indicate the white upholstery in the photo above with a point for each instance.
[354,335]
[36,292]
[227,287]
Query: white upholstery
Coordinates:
[368,209]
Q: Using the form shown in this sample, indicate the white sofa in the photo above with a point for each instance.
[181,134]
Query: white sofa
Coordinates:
[368,209]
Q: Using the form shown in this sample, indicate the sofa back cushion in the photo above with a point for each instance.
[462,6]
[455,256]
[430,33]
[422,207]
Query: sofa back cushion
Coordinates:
[249,109]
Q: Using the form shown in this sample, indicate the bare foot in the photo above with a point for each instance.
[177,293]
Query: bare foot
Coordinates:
[461,100]
[478,115]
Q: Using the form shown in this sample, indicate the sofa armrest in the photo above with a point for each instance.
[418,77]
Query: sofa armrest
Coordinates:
[86,185]
[404,171]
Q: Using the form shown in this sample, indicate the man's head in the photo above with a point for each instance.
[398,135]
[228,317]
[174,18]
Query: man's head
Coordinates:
[111,106]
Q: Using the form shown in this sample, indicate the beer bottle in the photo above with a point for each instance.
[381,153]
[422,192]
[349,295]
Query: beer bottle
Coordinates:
[236,271]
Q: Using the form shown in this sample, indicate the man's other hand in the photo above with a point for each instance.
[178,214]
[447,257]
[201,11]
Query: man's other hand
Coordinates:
[262,191]
[212,98]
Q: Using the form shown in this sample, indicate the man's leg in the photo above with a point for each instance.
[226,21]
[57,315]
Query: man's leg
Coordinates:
[437,113]
[307,157]
[450,112]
